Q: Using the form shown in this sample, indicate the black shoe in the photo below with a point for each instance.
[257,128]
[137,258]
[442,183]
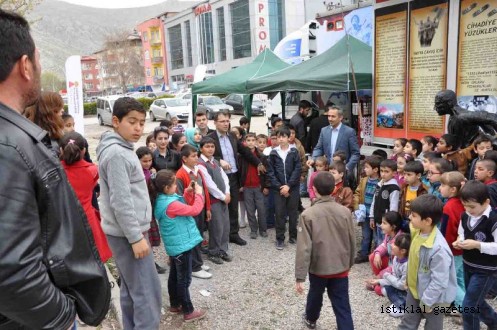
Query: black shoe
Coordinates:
[238,240]
[309,324]
[160,269]
[215,259]
[270,226]
[292,241]
[360,259]
[226,257]
[204,249]
[280,245]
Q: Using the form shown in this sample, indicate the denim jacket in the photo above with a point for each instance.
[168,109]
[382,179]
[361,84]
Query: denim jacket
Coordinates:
[437,284]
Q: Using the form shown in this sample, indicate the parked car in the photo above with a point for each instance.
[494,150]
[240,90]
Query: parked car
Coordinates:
[236,101]
[168,108]
[105,105]
[154,95]
[212,104]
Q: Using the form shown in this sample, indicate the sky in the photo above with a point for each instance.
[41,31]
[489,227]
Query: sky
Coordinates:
[115,3]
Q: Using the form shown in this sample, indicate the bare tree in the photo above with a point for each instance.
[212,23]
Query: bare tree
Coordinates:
[121,62]
[22,7]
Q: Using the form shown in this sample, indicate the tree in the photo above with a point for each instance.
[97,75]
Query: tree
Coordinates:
[22,7]
[51,82]
[121,62]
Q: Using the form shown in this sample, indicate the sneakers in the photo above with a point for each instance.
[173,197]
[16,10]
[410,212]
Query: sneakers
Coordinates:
[383,291]
[263,234]
[175,310]
[226,257]
[197,314]
[279,245]
[215,259]
[292,241]
[205,267]
[202,274]
[395,312]
[361,259]
[309,324]
[253,235]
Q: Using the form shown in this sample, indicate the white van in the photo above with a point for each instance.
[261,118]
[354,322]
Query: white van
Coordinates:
[105,105]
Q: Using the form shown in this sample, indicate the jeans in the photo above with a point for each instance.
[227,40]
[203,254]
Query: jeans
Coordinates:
[461,288]
[178,283]
[367,239]
[286,205]
[270,211]
[379,236]
[477,286]
[396,296]
[338,292]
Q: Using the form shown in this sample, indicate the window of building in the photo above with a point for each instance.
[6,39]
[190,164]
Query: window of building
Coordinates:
[240,25]
[147,55]
[158,71]
[156,53]
[88,86]
[206,38]
[176,47]
[222,34]
[145,36]
[189,59]
[276,22]
[88,76]
[178,78]
[147,71]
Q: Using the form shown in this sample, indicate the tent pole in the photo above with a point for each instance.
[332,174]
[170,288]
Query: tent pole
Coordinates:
[283,103]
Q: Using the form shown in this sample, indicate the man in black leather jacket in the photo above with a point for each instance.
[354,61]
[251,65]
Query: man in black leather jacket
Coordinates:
[49,265]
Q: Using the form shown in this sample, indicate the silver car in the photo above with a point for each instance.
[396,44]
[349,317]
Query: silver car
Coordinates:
[169,108]
[105,105]
[212,104]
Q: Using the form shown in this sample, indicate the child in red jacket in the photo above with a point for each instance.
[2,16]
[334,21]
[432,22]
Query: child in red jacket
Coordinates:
[83,177]
[451,183]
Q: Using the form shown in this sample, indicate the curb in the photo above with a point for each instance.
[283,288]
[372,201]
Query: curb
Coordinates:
[115,303]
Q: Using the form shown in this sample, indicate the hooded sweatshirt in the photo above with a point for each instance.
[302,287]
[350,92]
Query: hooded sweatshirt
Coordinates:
[125,205]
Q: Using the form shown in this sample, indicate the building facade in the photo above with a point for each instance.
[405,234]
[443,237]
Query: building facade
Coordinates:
[153,51]
[225,34]
[89,72]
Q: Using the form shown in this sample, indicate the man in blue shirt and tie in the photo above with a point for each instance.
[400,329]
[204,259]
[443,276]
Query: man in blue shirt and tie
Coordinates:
[337,137]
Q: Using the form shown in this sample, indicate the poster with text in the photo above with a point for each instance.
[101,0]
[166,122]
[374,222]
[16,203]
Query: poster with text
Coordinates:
[477,57]
[427,65]
[390,71]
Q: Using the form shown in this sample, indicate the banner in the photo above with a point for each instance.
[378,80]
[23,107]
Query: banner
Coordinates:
[390,71]
[477,59]
[75,92]
[427,65]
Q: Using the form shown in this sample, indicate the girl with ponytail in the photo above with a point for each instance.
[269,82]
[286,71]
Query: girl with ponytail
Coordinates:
[83,177]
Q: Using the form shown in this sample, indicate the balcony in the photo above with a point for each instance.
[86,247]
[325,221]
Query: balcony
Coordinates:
[156,60]
[155,42]
[158,79]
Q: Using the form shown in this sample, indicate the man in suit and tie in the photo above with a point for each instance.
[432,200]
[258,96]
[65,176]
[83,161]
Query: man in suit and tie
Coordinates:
[336,137]
[227,149]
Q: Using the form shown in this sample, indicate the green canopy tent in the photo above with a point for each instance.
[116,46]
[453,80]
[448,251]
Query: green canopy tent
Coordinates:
[234,81]
[332,70]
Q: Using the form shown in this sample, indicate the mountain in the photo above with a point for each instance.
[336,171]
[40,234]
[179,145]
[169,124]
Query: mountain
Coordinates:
[61,29]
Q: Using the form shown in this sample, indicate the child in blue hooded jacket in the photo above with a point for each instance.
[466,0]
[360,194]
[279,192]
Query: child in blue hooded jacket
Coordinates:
[180,235]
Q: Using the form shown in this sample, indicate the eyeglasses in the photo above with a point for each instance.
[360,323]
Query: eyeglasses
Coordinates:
[431,173]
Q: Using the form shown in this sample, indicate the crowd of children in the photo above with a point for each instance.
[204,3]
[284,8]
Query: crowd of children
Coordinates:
[432,211]
[429,228]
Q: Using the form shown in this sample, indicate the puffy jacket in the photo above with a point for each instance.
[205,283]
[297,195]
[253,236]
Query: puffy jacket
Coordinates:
[179,234]
[49,265]
[284,173]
